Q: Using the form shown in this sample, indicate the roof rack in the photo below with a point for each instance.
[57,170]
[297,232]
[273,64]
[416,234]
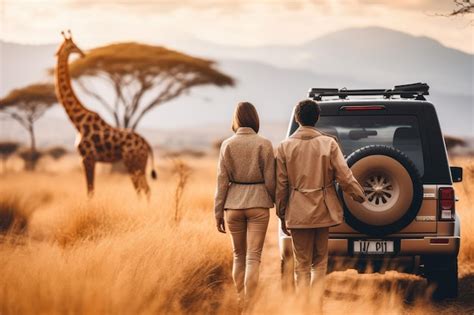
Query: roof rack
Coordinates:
[414,90]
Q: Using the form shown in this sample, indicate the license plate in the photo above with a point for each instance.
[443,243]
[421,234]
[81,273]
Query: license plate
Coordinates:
[373,247]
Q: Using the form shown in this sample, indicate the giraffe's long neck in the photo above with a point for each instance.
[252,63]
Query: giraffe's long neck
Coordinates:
[74,109]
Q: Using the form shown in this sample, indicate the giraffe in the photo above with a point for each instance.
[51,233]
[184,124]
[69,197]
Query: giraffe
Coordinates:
[96,140]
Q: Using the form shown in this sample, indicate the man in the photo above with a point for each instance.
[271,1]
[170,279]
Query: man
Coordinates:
[308,162]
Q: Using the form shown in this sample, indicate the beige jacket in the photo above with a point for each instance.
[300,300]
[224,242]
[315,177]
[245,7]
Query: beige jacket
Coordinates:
[245,173]
[308,162]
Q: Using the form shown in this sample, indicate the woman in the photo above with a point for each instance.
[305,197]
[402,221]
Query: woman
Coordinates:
[245,192]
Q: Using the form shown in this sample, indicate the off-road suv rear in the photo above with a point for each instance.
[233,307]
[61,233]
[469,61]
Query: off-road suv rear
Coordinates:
[393,144]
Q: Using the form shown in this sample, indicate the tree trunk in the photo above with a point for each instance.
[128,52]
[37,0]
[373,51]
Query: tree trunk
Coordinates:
[33,158]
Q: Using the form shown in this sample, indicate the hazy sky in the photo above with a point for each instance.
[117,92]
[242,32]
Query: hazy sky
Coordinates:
[225,21]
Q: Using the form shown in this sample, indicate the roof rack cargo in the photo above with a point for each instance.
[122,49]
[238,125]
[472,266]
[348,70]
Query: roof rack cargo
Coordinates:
[414,90]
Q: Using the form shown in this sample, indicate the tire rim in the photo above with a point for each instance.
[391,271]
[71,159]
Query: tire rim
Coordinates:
[379,190]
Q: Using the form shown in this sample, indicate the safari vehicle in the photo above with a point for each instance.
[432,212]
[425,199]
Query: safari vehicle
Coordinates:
[393,144]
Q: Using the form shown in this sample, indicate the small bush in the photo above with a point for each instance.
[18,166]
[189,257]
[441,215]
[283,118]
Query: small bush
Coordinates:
[30,158]
[13,217]
[56,152]
[7,149]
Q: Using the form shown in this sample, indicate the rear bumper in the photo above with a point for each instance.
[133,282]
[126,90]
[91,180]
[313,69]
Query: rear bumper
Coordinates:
[404,246]
[340,245]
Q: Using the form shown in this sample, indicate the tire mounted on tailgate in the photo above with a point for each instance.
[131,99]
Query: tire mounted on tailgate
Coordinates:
[393,188]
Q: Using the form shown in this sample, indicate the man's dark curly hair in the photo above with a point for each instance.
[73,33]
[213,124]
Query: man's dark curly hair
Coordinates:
[307,113]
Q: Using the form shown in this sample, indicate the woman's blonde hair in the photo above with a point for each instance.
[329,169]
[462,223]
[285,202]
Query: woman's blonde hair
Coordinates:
[245,115]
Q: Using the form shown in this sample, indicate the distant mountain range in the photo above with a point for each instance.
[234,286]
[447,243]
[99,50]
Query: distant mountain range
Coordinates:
[276,77]
[374,55]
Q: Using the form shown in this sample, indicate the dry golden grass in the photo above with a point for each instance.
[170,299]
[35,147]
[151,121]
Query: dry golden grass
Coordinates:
[117,254]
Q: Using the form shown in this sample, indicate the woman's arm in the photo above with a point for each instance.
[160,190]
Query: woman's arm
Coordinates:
[222,186]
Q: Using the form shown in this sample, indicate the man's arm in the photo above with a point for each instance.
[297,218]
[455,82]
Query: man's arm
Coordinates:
[282,187]
[344,175]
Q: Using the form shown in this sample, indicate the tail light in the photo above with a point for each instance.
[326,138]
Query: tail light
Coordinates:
[446,202]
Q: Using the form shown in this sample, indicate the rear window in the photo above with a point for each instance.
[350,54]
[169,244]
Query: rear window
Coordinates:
[355,132]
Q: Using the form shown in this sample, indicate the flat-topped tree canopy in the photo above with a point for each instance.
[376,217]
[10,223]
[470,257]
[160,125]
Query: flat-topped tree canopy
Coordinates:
[145,62]
[35,94]
[136,69]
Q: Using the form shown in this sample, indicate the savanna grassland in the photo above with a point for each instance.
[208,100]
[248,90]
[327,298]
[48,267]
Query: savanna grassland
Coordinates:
[61,253]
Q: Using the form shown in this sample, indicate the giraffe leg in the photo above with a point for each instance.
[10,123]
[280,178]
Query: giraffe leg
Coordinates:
[143,181]
[136,166]
[89,168]
[144,184]
[135,176]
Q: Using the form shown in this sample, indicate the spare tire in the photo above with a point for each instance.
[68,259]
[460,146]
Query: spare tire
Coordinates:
[393,188]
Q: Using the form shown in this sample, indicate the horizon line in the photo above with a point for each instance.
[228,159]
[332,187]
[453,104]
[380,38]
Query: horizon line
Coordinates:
[303,43]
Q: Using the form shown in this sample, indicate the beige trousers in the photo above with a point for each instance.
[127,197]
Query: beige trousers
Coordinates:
[310,248]
[247,228]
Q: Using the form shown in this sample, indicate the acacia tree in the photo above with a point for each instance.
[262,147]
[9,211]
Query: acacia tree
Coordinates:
[141,77]
[463,7]
[26,105]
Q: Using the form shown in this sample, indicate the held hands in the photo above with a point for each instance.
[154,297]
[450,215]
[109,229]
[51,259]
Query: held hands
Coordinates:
[220,225]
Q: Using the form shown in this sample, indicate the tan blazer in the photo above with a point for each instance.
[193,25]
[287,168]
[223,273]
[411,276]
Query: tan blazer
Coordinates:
[308,162]
[245,173]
